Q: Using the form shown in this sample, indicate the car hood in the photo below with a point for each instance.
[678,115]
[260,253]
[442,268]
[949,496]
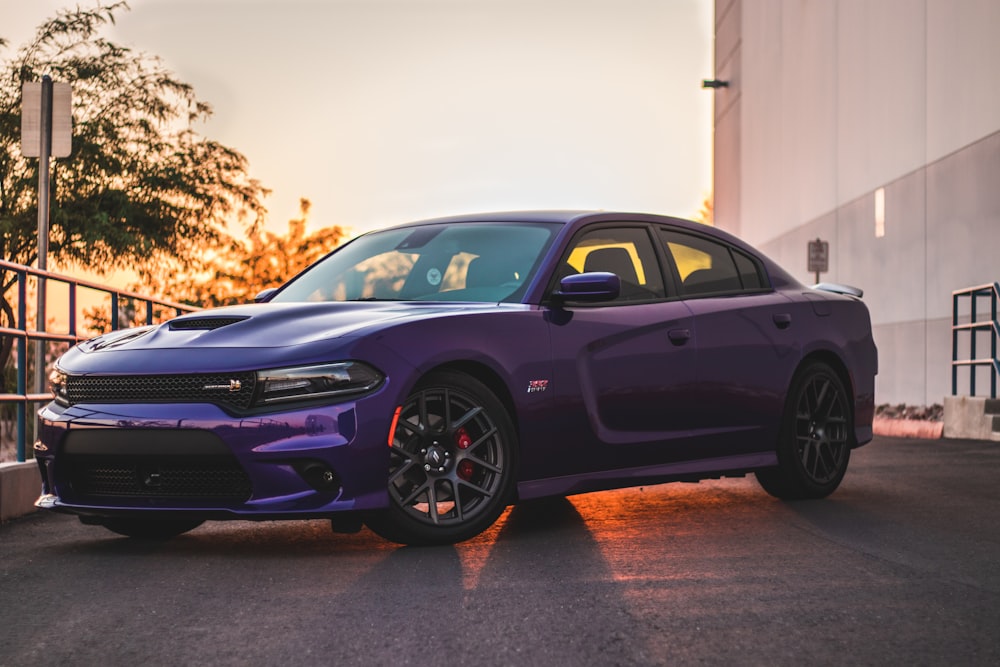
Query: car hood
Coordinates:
[251,336]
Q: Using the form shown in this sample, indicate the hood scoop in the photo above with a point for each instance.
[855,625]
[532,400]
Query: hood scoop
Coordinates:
[204,323]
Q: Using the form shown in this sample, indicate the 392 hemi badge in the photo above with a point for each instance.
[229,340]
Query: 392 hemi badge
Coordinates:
[233,386]
[536,386]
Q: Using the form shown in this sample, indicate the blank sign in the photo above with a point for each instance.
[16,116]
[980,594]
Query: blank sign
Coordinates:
[31,119]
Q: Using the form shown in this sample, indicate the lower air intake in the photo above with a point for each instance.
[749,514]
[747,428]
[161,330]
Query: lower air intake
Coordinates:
[146,477]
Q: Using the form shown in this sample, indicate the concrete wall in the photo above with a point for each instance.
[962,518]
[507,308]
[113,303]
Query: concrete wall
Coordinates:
[20,485]
[726,149]
[838,100]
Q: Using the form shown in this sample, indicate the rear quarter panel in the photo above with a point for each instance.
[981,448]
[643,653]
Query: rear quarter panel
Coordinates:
[841,326]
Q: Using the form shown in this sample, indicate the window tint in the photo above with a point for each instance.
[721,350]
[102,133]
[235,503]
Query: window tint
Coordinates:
[703,266]
[749,274]
[626,252]
[483,262]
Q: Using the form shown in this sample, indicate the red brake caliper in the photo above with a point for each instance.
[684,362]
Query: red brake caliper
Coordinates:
[465,467]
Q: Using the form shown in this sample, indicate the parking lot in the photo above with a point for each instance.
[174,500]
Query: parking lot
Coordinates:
[901,566]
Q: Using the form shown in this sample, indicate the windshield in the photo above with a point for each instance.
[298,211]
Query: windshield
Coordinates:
[486,262]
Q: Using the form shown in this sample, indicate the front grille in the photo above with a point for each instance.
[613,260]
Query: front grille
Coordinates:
[230,389]
[157,477]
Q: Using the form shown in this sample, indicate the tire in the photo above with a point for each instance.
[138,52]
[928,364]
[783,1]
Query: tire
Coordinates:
[452,463]
[150,529]
[816,437]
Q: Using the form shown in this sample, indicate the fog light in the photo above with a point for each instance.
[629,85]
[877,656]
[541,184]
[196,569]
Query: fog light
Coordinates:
[318,475]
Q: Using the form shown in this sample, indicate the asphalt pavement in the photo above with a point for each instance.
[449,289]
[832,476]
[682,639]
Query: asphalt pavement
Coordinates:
[900,566]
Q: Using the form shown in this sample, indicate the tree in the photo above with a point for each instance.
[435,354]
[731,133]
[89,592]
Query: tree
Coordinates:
[706,215]
[142,187]
[243,268]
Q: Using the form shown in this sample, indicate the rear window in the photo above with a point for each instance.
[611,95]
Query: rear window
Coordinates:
[706,267]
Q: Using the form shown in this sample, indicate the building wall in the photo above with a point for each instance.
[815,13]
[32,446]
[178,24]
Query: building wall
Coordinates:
[830,102]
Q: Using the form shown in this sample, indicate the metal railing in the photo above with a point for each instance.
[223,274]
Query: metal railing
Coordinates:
[973,327]
[23,336]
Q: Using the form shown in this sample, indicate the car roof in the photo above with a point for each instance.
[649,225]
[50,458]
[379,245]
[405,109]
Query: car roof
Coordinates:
[577,218]
[551,216]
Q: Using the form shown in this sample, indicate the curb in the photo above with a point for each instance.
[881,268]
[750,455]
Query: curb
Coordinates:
[907,428]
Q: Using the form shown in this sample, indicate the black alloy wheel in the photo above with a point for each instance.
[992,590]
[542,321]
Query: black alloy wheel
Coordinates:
[814,446]
[452,463]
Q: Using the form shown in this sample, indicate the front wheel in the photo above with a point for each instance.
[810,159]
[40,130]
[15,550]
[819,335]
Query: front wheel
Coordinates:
[452,463]
[814,445]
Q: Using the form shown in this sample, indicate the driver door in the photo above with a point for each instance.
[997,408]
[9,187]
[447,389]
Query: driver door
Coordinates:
[623,370]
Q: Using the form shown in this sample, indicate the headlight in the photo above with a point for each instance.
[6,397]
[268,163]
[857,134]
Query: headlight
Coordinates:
[309,382]
[57,385]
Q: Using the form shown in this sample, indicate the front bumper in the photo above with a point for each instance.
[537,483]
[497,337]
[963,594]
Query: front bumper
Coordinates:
[196,460]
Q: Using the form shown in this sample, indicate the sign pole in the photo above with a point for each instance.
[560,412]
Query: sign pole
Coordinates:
[45,151]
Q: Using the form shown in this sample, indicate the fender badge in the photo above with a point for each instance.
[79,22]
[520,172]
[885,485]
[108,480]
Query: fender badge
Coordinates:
[536,386]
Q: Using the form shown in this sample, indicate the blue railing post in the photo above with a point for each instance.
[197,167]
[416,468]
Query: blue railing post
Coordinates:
[72,309]
[22,364]
[993,339]
[972,344]
[954,343]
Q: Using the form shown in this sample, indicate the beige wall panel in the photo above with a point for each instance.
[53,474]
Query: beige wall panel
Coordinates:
[789,127]
[761,124]
[809,103]
[963,231]
[727,171]
[881,95]
[902,374]
[963,73]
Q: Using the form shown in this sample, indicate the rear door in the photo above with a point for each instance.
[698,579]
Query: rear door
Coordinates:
[747,340]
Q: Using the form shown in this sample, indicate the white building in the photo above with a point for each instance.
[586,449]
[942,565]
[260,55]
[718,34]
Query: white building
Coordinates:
[874,125]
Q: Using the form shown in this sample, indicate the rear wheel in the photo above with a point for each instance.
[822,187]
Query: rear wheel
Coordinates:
[452,463]
[150,529]
[814,445]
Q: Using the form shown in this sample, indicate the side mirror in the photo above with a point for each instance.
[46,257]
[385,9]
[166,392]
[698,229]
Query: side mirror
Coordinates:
[589,287]
[264,295]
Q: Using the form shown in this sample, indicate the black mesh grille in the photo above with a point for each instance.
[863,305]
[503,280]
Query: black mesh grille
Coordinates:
[205,322]
[160,477]
[231,389]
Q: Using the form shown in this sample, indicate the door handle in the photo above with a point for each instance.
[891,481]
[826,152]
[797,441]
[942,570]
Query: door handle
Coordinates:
[679,336]
[782,320]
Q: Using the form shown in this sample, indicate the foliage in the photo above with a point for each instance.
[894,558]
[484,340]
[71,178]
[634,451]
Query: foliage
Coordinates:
[706,215]
[244,268]
[142,188]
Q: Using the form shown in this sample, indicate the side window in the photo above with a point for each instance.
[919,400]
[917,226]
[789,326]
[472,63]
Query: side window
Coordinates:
[626,252]
[749,273]
[707,267]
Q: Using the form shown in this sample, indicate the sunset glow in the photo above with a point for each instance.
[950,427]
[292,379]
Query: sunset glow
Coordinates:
[383,112]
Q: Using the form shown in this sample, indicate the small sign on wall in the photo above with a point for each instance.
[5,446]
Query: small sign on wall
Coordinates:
[818,257]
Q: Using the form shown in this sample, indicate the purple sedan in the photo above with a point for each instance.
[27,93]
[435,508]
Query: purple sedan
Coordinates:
[420,379]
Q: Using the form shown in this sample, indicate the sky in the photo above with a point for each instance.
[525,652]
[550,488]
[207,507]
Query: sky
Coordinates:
[386,111]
